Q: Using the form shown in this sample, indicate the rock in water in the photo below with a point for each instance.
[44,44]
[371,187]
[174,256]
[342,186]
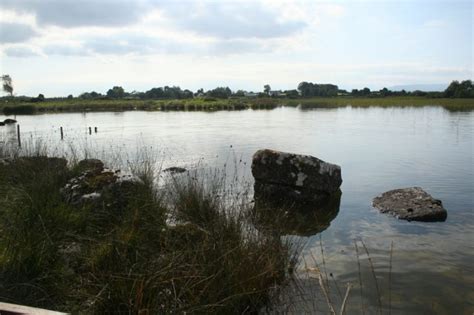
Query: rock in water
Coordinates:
[287,178]
[412,204]
[9,121]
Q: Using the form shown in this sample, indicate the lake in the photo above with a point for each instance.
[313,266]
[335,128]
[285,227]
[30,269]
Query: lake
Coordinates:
[378,149]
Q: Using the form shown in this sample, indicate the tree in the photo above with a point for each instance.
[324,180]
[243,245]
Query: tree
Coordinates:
[116,92]
[457,90]
[267,89]
[292,93]
[308,89]
[220,92]
[240,93]
[7,84]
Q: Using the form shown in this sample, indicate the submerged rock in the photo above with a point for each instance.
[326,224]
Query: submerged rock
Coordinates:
[412,204]
[287,178]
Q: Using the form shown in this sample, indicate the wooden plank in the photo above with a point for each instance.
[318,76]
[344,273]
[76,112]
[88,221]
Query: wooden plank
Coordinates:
[13,309]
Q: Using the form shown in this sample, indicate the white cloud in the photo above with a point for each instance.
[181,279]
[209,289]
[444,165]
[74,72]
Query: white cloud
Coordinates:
[15,32]
[21,51]
[73,13]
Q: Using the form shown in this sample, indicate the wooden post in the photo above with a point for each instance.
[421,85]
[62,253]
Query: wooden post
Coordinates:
[62,134]
[18,134]
[95,129]
[90,130]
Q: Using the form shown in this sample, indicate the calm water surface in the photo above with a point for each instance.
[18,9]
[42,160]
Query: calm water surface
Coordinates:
[378,149]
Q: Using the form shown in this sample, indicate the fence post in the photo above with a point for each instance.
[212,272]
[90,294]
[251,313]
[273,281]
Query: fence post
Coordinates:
[62,134]
[18,134]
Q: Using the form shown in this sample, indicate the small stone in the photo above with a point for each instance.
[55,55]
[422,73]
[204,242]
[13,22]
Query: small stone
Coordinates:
[411,204]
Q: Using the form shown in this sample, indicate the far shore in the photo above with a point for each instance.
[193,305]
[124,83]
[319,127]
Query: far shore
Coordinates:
[9,107]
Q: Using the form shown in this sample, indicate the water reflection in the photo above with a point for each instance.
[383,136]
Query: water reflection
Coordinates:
[298,219]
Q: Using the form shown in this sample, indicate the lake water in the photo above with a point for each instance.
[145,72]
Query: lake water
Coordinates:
[378,149]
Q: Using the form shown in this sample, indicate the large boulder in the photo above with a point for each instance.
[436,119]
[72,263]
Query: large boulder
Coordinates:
[286,178]
[412,204]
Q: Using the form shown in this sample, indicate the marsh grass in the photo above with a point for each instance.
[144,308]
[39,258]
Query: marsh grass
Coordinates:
[211,104]
[186,246]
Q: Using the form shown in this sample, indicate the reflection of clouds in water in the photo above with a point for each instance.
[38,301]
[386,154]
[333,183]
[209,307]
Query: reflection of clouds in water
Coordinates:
[430,250]
[429,273]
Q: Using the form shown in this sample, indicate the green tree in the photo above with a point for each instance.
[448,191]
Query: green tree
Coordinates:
[267,89]
[240,93]
[116,92]
[460,90]
[220,92]
[7,84]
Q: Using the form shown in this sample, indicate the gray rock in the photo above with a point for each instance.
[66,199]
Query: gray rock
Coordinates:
[9,121]
[291,178]
[96,185]
[412,204]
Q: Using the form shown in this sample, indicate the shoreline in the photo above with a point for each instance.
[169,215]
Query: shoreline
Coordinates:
[113,105]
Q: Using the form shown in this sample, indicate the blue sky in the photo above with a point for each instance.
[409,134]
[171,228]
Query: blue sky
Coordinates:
[61,47]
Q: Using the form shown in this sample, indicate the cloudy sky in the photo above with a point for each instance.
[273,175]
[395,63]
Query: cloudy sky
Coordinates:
[61,47]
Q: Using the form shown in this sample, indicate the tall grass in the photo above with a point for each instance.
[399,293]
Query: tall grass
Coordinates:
[185,246]
[79,105]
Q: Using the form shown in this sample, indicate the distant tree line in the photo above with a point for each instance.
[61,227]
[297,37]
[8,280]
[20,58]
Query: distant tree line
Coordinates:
[456,89]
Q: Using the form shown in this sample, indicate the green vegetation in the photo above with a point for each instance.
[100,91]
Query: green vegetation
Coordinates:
[211,104]
[458,96]
[125,257]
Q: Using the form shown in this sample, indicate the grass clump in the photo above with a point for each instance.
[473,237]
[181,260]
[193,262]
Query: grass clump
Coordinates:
[19,110]
[121,254]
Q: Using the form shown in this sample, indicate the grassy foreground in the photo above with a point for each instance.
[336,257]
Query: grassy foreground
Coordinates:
[126,257]
[78,105]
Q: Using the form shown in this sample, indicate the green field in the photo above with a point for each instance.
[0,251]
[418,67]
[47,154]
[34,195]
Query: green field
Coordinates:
[78,105]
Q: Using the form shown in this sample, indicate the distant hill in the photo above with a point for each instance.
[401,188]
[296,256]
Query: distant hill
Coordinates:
[421,87]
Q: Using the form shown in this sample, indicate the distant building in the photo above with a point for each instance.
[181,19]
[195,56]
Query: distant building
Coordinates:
[277,93]
[250,94]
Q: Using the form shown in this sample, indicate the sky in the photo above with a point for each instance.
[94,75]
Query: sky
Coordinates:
[62,47]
